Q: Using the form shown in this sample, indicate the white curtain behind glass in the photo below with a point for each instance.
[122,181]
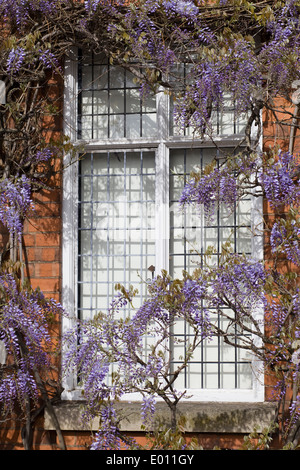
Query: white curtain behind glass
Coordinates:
[117,225]
[214,364]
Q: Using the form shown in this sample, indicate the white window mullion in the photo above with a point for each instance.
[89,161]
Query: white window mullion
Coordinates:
[162,186]
[162,215]
[69,214]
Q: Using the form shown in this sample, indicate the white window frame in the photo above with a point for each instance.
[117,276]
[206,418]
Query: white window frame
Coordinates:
[163,144]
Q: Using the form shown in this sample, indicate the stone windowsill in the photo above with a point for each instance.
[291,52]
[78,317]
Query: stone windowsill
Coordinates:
[200,417]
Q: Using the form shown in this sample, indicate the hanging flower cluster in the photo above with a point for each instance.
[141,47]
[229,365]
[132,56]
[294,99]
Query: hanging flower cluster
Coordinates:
[24,332]
[15,203]
[15,60]
[285,238]
[218,186]
[20,11]
[280,180]
[239,281]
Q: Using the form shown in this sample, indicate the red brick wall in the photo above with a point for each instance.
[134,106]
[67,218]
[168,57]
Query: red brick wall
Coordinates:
[276,133]
[42,243]
[42,258]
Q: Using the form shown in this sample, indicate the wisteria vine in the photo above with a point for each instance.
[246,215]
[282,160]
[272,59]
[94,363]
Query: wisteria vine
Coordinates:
[246,50]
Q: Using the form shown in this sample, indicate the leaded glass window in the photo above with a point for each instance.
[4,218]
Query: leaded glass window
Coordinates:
[128,182]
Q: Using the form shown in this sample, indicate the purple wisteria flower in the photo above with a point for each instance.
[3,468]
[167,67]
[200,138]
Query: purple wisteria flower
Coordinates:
[15,203]
[18,11]
[282,27]
[92,5]
[41,156]
[148,409]
[195,291]
[15,60]
[48,58]
[24,332]
[286,239]
[279,181]
[44,155]
[107,438]
[277,235]
[217,187]
[241,282]
[184,8]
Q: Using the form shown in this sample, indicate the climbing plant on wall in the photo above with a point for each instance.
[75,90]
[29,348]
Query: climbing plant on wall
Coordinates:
[248,50]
